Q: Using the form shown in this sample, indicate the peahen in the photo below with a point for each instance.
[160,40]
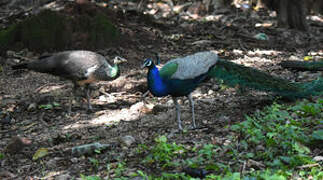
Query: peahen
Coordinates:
[81,67]
[180,76]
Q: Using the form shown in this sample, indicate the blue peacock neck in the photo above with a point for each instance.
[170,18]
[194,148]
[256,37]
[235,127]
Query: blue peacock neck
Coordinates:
[156,85]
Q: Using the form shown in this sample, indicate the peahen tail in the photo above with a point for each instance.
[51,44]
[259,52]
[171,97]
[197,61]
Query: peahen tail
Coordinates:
[235,74]
[19,66]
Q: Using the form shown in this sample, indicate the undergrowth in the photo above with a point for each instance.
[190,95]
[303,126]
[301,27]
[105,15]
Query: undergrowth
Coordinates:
[280,142]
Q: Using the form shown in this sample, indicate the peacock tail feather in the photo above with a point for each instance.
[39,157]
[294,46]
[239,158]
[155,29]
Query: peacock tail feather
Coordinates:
[237,75]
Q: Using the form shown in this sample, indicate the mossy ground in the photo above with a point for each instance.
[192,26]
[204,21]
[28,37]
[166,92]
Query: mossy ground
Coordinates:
[55,30]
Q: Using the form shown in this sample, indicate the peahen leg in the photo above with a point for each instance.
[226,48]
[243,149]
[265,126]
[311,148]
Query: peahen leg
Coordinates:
[178,113]
[72,96]
[88,98]
[190,98]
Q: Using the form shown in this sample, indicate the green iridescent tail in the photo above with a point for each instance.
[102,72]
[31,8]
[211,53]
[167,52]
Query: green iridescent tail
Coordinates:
[238,75]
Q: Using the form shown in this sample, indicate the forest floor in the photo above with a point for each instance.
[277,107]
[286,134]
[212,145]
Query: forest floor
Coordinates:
[120,112]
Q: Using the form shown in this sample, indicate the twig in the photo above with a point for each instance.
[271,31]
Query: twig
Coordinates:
[255,163]
[243,169]
[308,166]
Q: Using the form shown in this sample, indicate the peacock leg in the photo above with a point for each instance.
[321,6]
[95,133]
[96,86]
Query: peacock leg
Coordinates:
[192,108]
[178,113]
[88,98]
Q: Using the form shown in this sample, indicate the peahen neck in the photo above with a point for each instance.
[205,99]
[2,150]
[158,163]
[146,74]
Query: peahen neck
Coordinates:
[114,73]
[105,74]
[156,85]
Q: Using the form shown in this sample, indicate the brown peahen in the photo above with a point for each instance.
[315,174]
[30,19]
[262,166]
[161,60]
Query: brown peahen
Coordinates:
[81,67]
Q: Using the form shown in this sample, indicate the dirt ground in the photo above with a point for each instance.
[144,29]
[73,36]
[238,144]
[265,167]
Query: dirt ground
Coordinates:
[119,108]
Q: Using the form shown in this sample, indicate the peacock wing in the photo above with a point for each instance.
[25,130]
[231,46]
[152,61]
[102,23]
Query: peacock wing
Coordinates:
[195,65]
[168,70]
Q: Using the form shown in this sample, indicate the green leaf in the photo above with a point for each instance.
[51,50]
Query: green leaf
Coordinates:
[41,152]
[46,106]
[235,127]
[318,134]
[56,104]
[97,151]
[301,148]
[161,139]
[1,156]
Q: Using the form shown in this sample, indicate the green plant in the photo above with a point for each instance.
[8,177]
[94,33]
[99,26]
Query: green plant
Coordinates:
[278,139]
[305,108]
[120,169]
[1,156]
[94,162]
[163,153]
[48,106]
[283,136]
[83,177]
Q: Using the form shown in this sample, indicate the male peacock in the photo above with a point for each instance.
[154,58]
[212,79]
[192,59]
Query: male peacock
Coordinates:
[81,67]
[179,77]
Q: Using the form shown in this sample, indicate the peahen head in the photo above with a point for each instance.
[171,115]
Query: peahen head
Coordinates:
[114,71]
[119,60]
[147,63]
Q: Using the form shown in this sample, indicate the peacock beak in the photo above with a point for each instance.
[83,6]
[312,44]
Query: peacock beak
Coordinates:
[143,65]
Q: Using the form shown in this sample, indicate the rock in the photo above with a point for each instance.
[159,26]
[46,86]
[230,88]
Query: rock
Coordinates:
[318,158]
[226,142]
[294,115]
[260,148]
[103,98]
[74,160]
[210,92]
[137,107]
[216,87]
[52,163]
[89,148]
[169,102]
[293,58]
[127,140]
[32,107]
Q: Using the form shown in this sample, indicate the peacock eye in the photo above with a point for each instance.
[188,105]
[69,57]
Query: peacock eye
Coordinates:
[148,63]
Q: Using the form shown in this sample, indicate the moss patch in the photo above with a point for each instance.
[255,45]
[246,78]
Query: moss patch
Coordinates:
[103,31]
[7,37]
[51,30]
[44,31]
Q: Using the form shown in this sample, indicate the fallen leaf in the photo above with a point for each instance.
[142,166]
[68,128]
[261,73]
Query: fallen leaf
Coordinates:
[41,152]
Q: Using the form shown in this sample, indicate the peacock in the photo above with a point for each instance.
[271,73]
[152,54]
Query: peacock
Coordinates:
[79,66]
[180,77]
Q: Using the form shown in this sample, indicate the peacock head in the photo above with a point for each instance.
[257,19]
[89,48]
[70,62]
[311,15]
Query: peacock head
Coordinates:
[147,63]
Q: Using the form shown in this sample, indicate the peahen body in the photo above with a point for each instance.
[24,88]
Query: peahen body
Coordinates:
[180,76]
[81,67]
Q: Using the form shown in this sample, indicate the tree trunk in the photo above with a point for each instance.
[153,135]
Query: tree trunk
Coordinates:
[290,13]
